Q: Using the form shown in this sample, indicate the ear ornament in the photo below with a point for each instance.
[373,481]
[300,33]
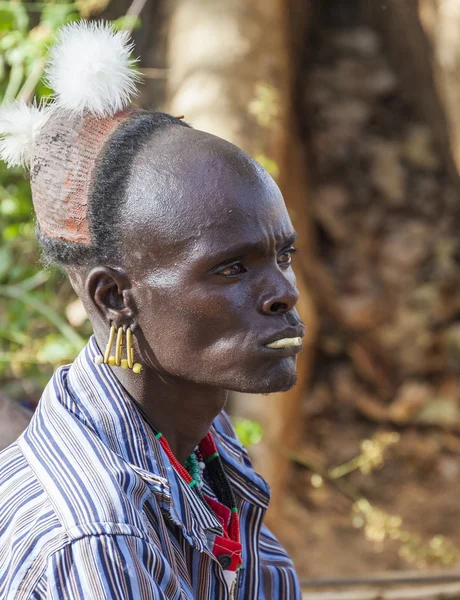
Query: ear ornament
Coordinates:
[117,360]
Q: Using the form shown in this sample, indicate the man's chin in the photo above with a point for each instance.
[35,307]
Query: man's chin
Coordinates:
[274,382]
[277,386]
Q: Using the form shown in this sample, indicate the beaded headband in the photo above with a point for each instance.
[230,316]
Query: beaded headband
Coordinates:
[92,76]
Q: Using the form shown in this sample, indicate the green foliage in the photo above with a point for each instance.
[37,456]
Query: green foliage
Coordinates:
[127,22]
[249,432]
[23,46]
[35,335]
[268,164]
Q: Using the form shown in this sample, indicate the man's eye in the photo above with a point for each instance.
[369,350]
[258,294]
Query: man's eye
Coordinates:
[233,270]
[285,258]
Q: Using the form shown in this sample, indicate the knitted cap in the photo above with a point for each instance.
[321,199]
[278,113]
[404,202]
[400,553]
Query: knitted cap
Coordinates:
[93,80]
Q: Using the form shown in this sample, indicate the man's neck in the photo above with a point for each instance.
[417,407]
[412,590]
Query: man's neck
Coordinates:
[183,411]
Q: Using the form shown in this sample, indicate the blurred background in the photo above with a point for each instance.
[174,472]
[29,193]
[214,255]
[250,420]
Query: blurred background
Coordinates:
[353,107]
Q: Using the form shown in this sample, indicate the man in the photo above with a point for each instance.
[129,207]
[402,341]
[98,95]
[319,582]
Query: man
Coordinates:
[130,482]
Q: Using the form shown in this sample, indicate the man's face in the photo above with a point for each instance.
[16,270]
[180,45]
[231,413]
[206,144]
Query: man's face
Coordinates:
[208,245]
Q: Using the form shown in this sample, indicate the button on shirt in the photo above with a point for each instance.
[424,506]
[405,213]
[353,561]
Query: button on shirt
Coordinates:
[91,508]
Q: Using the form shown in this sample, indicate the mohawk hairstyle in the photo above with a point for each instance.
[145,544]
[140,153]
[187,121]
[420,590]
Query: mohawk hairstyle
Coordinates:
[107,193]
[81,147]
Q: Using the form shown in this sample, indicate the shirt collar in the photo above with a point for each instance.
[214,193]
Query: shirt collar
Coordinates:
[246,483]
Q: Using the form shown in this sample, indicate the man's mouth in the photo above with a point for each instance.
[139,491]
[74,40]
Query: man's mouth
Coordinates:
[285,343]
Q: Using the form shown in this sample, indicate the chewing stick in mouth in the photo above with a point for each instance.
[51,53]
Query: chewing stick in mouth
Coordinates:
[285,343]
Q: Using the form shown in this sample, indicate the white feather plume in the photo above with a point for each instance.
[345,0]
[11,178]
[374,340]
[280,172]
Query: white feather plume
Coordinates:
[90,69]
[20,124]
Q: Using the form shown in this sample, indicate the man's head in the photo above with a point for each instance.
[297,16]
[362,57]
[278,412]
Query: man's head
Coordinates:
[196,255]
[170,231]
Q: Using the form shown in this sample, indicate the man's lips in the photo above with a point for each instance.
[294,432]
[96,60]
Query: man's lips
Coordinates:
[287,338]
[285,343]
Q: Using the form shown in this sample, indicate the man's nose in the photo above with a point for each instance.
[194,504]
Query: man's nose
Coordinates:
[281,300]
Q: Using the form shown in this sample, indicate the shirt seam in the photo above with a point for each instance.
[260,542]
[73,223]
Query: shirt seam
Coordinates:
[135,531]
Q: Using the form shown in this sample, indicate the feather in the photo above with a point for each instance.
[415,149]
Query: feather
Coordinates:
[20,124]
[90,69]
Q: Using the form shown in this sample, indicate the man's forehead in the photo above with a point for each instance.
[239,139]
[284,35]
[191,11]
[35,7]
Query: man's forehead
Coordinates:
[183,185]
[190,163]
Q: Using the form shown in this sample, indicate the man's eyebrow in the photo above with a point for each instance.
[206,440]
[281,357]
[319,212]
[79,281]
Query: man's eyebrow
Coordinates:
[291,238]
[240,250]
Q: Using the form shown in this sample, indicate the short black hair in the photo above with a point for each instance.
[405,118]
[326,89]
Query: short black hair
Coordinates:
[110,177]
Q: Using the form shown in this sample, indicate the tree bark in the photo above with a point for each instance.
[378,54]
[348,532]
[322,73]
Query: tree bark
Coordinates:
[422,39]
[385,208]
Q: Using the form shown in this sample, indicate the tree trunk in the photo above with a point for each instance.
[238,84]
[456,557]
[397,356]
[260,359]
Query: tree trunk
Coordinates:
[422,39]
[385,210]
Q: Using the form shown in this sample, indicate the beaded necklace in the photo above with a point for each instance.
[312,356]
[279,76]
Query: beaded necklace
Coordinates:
[195,465]
[210,457]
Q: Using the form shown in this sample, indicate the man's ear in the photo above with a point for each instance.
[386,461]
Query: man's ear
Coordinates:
[109,291]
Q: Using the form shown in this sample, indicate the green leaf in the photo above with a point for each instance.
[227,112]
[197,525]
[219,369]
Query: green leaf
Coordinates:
[6,20]
[56,350]
[14,16]
[32,300]
[42,90]
[56,15]
[249,432]
[10,40]
[9,207]
[11,232]
[127,22]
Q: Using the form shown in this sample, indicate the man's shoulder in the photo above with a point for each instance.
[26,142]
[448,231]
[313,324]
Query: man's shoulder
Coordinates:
[85,480]
[65,473]
[17,480]
[29,527]
[25,505]
[35,524]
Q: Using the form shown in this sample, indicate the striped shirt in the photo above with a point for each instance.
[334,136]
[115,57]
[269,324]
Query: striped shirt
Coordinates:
[91,508]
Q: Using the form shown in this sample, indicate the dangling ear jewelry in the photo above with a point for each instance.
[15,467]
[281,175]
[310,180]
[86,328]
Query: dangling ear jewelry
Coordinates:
[119,347]
[136,367]
[117,360]
[108,358]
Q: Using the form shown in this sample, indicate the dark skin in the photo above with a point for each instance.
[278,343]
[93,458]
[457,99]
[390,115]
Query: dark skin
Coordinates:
[206,282]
